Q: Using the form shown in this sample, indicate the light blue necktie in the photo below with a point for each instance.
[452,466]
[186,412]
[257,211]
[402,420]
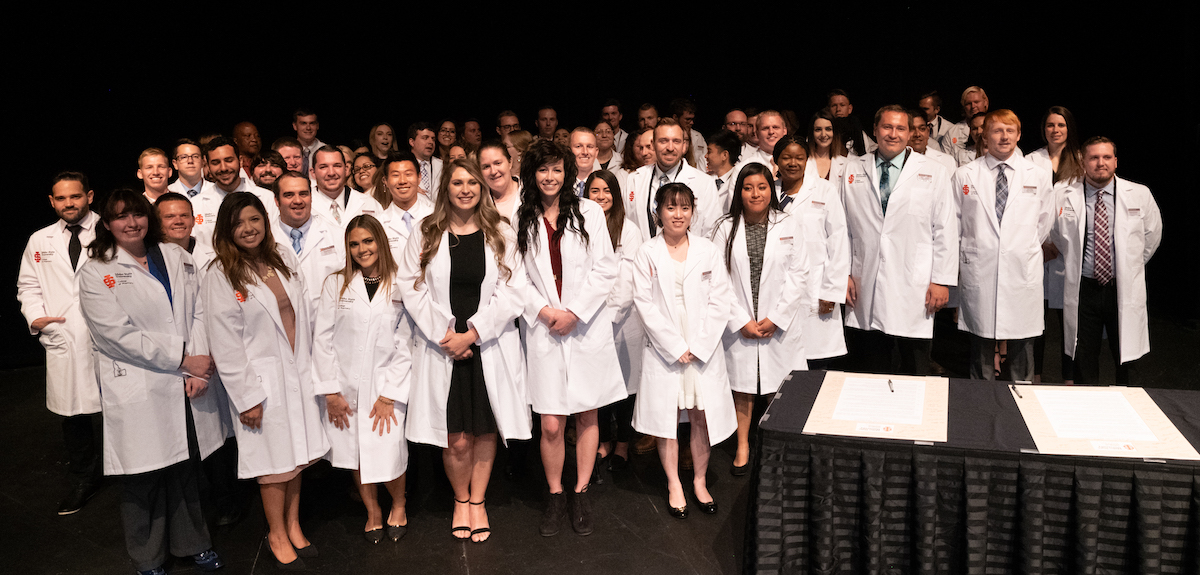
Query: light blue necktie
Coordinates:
[579,189]
[407,219]
[296,243]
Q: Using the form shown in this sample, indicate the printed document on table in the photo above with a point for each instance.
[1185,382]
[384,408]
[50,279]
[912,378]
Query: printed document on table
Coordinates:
[865,405]
[1103,421]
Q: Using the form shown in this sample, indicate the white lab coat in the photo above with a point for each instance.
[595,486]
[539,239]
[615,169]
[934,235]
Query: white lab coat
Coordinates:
[628,333]
[1137,231]
[823,221]
[207,204]
[357,204]
[895,258]
[941,157]
[139,339]
[578,372]
[1055,270]
[837,167]
[637,196]
[397,232]
[257,365]
[1000,263]
[322,253]
[356,352]
[499,342]
[47,287]
[758,366]
[709,301]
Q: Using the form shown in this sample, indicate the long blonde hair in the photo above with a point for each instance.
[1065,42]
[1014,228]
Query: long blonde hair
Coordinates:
[486,217]
[387,264]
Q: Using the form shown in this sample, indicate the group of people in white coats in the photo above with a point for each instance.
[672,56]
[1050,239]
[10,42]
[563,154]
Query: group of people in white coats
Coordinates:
[451,321]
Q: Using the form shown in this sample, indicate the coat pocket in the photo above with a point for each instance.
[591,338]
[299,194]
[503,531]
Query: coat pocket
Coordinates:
[120,383]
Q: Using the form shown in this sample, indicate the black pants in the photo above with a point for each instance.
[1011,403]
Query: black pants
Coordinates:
[620,416]
[83,447]
[160,510]
[983,358]
[1053,317]
[1097,314]
[871,352]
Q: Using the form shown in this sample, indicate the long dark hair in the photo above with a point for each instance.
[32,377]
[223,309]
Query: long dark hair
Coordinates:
[545,152]
[238,263]
[737,208]
[629,161]
[837,147]
[123,201]
[615,216]
[1070,160]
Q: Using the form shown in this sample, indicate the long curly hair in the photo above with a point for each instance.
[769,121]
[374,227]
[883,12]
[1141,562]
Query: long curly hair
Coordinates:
[542,153]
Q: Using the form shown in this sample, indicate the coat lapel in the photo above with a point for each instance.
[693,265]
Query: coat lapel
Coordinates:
[543,268]
[664,272]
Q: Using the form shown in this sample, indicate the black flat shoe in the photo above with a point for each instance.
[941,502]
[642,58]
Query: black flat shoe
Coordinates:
[374,536]
[739,470]
[307,552]
[678,512]
[709,508]
[396,532]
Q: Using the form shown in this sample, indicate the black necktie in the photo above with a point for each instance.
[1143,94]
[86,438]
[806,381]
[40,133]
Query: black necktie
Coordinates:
[74,247]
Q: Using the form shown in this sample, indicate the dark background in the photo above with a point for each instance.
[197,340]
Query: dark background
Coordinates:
[96,86]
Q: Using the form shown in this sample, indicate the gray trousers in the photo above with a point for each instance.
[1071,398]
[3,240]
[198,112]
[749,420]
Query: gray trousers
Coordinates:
[160,510]
[983,354]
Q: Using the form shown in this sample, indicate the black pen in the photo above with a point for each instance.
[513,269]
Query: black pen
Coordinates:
[890,386]
[1016,391]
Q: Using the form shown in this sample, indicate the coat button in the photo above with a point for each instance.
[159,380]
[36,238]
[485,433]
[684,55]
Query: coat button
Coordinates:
[291,361]
[170,320]
[360,348]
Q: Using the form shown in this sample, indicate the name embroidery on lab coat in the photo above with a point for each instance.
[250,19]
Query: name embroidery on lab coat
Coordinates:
[925,177]
[43,257]
[124,278]
[1029,189]
[706,276]
[327,250]
[345,303]
[786,240]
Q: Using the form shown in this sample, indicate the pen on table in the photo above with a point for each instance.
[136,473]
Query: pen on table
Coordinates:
[1016,391]
[893,389]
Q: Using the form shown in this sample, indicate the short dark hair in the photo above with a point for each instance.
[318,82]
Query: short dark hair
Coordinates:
[1092,141]
[286,174]
[891,108]
[836,92]
[104,247]
[728,141]
[271,157]
[503,114]
[182,142]
[937,100]
[172,197]
[611,102]
[681,105]
[218,142]
[327,148]
[647,106]
[302,112]
[70,176]
[415,127]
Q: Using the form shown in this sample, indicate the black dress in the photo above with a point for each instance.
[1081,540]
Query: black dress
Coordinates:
[467,407]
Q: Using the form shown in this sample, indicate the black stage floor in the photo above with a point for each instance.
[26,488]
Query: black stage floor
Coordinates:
[633,531]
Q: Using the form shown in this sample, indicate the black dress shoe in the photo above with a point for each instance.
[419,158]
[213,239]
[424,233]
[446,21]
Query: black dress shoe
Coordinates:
[739,470]
[373,536]
[78,496]
[310,551]
[581,513]
[556,508]
[598,470]
[709,508]
[208,560]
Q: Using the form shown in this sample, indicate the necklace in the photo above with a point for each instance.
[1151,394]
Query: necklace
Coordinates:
[270,274]
[371,281]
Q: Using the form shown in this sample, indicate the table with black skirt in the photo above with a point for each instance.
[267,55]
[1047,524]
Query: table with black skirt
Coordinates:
[982,502]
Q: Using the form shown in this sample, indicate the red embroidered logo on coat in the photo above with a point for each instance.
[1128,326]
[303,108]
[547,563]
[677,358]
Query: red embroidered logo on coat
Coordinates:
[631,195]
[966,189]
[199,219]
[851,180]
[241,298]
[109,281]
[37,257]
